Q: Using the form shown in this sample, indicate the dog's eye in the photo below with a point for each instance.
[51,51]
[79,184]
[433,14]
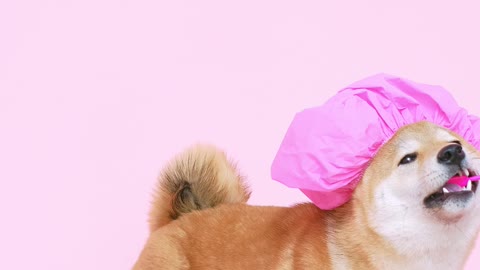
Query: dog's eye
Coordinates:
[408,159]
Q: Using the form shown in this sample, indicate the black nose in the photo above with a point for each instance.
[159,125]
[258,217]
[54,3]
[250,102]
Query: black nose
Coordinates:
[452,154]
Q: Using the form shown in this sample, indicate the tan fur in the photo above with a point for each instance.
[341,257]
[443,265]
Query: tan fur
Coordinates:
[208,226]
[199,178]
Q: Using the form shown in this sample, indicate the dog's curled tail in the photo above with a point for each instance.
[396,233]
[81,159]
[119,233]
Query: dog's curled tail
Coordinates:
[199,178]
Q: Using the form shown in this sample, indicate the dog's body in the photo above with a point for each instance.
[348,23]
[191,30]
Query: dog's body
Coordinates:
[398,218]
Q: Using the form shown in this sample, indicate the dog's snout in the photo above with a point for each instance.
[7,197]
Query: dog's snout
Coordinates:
[451,154]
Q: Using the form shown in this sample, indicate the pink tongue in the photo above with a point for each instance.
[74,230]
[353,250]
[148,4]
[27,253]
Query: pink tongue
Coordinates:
[462,180]
[452,187]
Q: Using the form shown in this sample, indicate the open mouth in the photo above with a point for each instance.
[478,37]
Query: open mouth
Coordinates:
[459,188]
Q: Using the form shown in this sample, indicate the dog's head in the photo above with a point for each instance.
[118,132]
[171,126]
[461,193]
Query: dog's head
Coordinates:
[404,192]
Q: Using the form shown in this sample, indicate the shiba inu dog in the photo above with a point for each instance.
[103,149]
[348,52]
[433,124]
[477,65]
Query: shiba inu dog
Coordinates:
[403,214]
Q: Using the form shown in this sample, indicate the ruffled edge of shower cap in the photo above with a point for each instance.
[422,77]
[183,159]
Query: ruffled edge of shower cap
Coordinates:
[326,148]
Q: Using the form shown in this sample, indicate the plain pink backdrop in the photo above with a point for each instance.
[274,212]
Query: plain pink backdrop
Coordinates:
[96,95]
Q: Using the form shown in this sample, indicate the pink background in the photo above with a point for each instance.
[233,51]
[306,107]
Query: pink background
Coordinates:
[95,96]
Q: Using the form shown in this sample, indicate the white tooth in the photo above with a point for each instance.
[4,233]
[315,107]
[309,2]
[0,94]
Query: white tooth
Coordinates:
[465,172]
[445,190]
[469,185]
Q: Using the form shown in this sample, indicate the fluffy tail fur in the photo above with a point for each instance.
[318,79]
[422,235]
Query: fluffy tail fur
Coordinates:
[201,177]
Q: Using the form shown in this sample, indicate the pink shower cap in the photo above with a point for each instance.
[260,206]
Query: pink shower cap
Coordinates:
[326,148]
